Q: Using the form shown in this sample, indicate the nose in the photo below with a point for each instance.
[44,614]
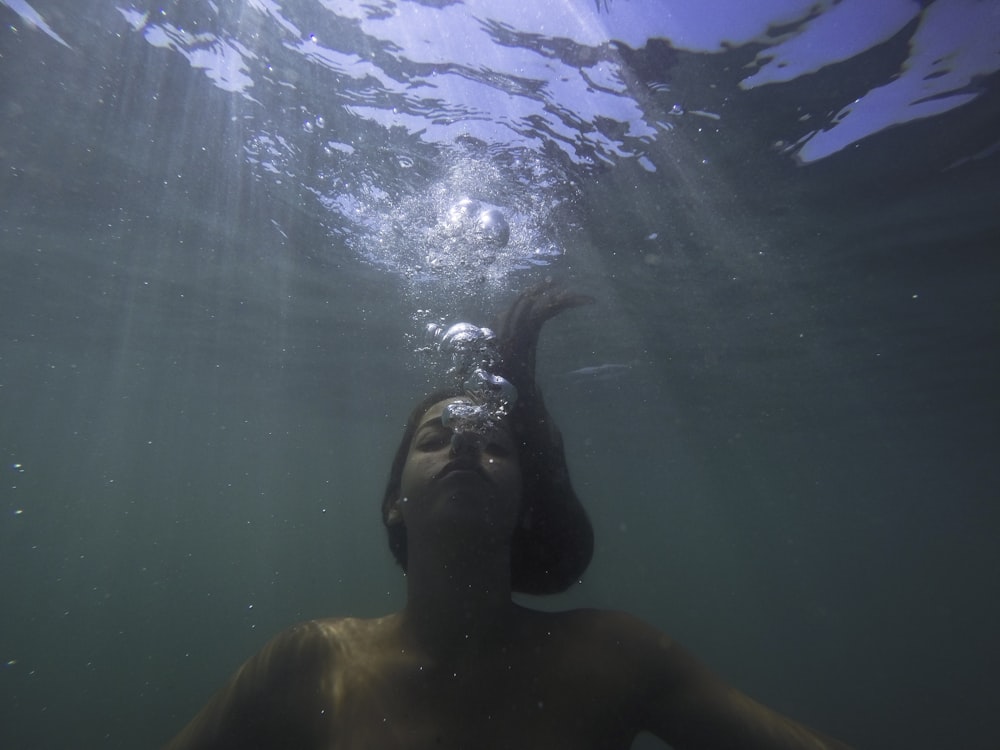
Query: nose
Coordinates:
[463,442]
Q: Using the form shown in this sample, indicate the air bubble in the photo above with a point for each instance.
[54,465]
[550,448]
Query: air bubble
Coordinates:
[465,210]
[472,350]
[492,226]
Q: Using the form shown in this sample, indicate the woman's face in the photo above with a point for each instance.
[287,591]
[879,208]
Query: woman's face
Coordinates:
[467,476]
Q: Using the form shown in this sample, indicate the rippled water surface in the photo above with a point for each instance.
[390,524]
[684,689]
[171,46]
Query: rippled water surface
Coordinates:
[230,231]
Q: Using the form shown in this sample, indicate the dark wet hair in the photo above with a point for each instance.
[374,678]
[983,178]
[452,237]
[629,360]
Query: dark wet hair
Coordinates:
[553,541]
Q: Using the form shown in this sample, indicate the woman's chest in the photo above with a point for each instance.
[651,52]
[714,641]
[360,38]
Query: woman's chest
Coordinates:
[496,704]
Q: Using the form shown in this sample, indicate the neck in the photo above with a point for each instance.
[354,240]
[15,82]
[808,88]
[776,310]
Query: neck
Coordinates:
[457,600]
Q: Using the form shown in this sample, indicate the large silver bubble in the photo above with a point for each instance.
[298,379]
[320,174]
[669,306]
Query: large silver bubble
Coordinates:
[465,337]
[466,210]
[492,227]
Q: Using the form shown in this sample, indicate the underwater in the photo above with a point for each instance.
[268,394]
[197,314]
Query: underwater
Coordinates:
[241,239]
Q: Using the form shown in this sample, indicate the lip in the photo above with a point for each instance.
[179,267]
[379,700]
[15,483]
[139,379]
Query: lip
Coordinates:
[462,466]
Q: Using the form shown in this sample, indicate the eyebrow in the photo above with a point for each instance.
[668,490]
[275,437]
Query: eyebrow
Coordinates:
[432,422]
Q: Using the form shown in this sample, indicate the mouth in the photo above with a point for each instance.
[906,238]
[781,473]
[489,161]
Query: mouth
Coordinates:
[462,466]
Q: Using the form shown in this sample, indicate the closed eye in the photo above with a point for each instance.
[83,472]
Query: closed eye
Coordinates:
[433,438]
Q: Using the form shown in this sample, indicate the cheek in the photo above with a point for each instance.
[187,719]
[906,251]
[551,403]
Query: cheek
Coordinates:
[409,478]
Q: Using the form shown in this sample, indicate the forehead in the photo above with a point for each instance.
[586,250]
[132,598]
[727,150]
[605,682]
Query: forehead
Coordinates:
[437,409]
[431,418]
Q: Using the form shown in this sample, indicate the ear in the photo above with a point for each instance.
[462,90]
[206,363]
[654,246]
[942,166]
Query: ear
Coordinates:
[394,513]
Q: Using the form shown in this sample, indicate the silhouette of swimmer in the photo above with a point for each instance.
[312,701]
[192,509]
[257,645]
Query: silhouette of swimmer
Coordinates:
[473,516]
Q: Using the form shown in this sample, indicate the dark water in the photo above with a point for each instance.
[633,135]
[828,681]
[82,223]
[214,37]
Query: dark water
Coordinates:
[210,290]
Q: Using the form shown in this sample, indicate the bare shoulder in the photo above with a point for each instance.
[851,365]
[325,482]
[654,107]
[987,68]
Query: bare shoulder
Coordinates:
[305,645]
[674,695]
[331,632]
[281,693]
[620,631]
[615,647]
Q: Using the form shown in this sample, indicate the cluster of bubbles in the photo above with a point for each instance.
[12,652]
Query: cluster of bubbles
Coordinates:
[471,352]
[463,234]
[472,236]
[485,223]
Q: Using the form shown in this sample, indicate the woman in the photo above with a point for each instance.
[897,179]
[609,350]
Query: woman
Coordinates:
[476,509]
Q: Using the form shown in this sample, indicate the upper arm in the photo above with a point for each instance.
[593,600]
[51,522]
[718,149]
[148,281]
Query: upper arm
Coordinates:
[687,705]
[277,699]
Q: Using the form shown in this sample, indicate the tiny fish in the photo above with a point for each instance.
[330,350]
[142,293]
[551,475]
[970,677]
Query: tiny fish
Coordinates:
[599,372]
